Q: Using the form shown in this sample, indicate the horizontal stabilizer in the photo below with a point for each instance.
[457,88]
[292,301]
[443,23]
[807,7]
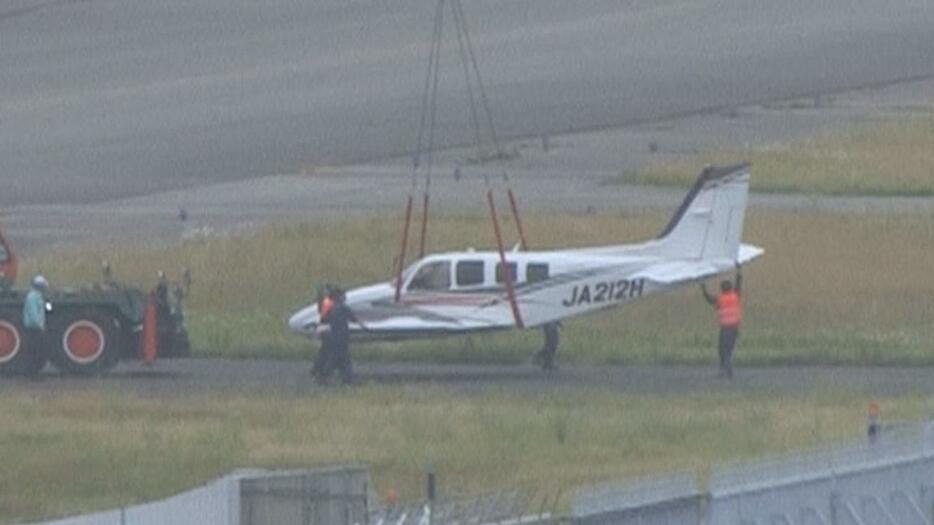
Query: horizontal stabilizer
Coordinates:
[672,272]
[748,252]
[677,271]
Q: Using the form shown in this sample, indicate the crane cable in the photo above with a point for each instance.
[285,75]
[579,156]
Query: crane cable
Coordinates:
[434,61]
[469,61]
[462,36]
[428,108]
[428,98]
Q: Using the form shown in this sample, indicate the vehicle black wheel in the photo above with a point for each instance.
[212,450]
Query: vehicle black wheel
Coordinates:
[182,345]
[15,357]
[84,341]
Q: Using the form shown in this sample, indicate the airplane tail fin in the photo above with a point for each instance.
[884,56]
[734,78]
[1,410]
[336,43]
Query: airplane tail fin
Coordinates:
[709,223]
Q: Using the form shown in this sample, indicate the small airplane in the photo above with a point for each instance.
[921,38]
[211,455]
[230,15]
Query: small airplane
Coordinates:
[466,292]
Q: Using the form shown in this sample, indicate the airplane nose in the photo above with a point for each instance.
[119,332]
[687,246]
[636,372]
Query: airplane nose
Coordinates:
[305,320]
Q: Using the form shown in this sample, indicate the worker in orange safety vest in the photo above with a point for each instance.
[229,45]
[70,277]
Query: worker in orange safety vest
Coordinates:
[730,315]
[325,302]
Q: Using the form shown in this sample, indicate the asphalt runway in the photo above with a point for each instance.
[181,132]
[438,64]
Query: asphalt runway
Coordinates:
[101,99]
[182,377]
[567,177]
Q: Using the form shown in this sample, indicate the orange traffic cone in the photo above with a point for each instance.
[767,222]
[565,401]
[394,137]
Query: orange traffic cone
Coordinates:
[149,344]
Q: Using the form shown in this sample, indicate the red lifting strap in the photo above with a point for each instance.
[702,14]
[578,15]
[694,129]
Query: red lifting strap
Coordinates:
[149,339]
[515,213]
[421,241]
[507,274]
[405,243]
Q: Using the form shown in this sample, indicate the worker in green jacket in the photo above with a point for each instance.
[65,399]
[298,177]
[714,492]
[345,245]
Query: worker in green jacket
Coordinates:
[34,324]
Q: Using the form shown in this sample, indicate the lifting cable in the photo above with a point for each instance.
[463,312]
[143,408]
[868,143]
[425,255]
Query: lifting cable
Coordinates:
[405,242]
[428,99]
[428,113]
[469,62]
[430,104]
[461,28]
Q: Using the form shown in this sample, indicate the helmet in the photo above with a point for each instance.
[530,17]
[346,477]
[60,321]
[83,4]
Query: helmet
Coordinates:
[40,282]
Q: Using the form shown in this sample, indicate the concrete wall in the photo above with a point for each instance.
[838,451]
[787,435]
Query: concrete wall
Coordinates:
[671,500]
[252,497]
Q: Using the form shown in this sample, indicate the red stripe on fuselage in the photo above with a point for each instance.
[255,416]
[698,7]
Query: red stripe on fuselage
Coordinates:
[448,299]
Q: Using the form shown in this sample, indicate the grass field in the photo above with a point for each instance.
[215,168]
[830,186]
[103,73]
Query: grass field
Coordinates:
[830,289]
[894,158]
[74,452]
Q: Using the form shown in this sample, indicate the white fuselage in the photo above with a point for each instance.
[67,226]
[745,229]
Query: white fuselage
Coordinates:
[468,293]
[461,292]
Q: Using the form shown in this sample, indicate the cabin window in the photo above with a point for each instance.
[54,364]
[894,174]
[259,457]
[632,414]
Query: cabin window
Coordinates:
[535,272]
[469,273]
[512,272]
[432,276]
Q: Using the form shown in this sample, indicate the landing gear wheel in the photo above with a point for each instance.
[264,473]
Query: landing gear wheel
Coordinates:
[84,342]
[15,357]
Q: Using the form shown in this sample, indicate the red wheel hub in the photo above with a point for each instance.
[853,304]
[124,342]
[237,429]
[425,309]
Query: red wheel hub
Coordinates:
[83,341]
[9,341]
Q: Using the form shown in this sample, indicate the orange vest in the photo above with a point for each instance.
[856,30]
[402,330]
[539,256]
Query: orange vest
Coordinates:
[729,309]
[326,305]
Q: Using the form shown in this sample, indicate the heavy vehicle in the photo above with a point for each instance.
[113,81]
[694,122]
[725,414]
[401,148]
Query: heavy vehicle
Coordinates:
[88,329]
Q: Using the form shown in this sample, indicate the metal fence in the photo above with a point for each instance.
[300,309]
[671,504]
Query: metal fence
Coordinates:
[338,496]
[888,482]
[515,507]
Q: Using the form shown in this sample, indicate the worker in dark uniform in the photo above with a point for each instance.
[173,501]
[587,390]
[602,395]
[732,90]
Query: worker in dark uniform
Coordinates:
[546,356]
[339,318]
[34,324]
[160,298]
[323,331]
[730,315]
[108,283]
[160,295]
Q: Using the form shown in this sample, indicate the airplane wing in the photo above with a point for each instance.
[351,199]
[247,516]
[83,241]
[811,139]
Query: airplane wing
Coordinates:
[433,314]
[415,327]
[748,252]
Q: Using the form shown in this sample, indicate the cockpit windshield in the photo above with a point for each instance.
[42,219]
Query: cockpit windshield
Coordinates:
[432,276]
